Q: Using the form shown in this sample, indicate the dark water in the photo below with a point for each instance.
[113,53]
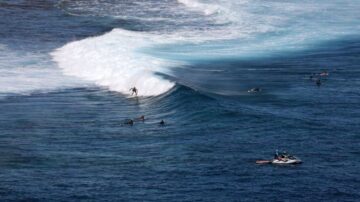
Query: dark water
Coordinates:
[69,144]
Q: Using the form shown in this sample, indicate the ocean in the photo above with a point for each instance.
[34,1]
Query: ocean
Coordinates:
[66,68]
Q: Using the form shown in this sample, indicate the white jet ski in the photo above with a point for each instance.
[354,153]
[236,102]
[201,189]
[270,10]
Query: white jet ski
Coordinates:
[287,160]
[281,159]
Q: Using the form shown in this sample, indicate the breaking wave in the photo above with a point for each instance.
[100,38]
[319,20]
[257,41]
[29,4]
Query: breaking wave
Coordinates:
[114,60]
[196,30]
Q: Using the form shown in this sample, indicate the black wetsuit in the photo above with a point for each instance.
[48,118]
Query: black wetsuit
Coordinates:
[318,82]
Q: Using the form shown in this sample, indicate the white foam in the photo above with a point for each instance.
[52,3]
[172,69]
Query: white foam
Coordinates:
[114,60]
[24,80]
[234,19]
[207,9]
[27,72]
[261,28]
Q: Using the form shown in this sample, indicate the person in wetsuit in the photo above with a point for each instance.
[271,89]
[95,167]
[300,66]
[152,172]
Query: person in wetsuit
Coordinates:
[129,122]
[141,118]
[134,90]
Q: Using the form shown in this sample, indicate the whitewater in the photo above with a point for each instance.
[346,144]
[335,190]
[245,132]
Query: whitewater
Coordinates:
[111,60]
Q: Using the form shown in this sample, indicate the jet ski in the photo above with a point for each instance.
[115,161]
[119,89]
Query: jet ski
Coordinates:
[281,159]
[287,160]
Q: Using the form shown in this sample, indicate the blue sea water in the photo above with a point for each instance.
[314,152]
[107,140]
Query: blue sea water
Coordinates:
[65,71]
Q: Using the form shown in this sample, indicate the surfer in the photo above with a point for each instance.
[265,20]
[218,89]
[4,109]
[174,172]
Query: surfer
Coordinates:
[325,73]
[254,90]
[129,122]
[162,122]
[134,90]
[318,82]
[141,118]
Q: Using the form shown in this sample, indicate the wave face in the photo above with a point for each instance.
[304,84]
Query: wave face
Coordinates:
[188,30]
